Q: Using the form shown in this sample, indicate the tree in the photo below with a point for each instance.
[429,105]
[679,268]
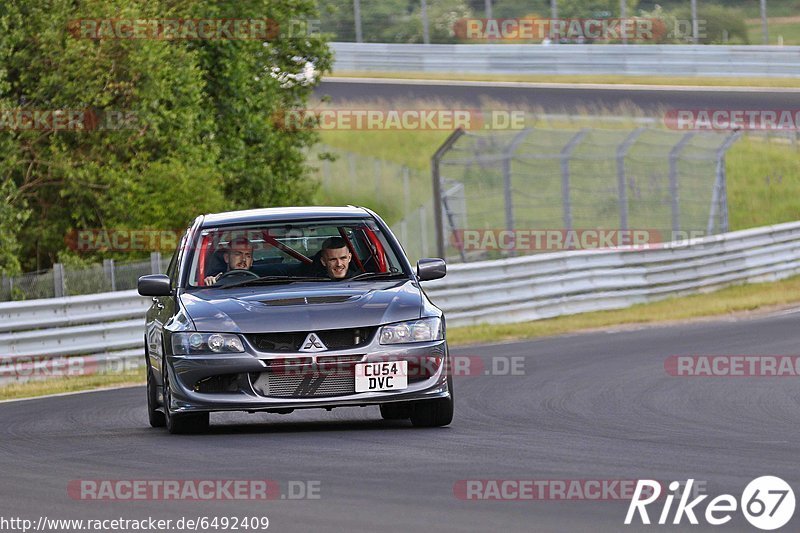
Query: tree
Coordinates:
[199,134]
[593,8]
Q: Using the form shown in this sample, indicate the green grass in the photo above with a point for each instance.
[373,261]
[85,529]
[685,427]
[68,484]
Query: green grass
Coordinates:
[763,183]
[787,27]
[35,388]
[587,79]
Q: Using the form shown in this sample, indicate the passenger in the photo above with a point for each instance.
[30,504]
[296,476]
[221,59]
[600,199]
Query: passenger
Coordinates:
[335,256]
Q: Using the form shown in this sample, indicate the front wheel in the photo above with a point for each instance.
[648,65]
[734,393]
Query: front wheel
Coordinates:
[434,413]
[181,423]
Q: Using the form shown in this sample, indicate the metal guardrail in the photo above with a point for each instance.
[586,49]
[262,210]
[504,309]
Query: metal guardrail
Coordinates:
[610,59]
[563,283]
[106,330]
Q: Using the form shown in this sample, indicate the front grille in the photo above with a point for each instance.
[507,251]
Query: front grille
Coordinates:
[333,339]
[338,359]
[303,384]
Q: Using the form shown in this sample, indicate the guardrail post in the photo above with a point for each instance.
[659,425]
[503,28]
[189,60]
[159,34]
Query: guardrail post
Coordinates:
[155,262]
[108,267]
[58,280]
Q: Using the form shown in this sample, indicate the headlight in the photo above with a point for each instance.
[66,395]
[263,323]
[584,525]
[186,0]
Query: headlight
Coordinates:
[196,343]
[426,329]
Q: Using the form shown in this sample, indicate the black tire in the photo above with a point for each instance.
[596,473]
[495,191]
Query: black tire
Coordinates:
[181,423]
[157,419]
[434,413]
[396,411]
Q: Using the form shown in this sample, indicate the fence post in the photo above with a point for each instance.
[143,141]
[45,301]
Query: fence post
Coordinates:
[426,34]
[566,154]
[622,190]
[155,262]
[406,193]
[6,286]
[351,167]
[108,267]
[357,16]
[719,198]
[326,173]
[423,224]
[673,181]
[58,280]
[508,197]
[377,171]
[437,188]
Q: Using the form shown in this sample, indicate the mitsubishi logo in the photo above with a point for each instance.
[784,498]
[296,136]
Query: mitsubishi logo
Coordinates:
[312,344]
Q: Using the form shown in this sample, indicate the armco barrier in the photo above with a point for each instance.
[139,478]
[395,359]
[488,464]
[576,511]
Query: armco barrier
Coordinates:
[107,329]
[607,59]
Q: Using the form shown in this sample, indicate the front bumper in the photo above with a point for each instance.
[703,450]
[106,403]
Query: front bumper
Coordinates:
[186,371]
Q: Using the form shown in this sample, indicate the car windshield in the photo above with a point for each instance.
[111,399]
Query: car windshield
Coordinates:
[269,253]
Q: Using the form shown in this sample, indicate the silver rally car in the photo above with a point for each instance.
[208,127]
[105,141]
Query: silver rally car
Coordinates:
[291,308]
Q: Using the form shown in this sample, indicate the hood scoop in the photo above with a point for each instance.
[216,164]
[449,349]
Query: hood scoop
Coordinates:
[310,300]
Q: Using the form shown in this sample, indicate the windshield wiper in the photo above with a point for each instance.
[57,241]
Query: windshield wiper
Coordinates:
[268,280]
[377,275]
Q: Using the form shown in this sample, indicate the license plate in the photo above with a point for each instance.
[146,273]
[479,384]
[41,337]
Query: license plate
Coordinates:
[387,375]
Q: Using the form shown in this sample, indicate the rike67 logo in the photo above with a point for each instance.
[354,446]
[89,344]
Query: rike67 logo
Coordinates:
[767,503]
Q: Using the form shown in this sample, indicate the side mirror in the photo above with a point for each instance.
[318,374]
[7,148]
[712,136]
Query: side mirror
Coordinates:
[154,285]
[428,269]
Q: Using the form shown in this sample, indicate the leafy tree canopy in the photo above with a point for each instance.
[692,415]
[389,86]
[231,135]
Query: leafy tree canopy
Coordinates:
[173,127]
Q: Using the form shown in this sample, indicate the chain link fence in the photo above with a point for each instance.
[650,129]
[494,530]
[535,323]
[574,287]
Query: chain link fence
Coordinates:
[558,181]
[62,280]
[400,194]
[573,178]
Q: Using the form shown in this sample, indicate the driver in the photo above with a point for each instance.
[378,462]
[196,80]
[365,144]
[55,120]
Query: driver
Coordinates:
[238,256]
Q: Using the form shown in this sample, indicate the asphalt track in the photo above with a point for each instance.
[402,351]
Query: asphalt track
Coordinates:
[587,406]
[558,98]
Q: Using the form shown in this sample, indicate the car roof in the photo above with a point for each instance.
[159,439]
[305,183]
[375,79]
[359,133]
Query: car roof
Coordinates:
[272,214]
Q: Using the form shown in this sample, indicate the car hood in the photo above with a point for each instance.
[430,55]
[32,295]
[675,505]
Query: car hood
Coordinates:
[303,306]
